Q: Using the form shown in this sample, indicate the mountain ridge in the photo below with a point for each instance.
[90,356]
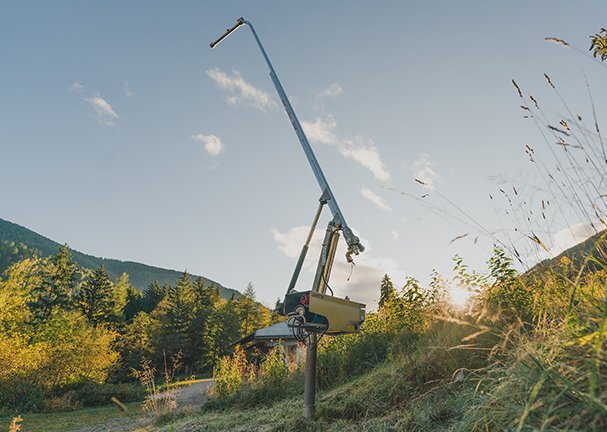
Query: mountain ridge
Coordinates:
[18,242]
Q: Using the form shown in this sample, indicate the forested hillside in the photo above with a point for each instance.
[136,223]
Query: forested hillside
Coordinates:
[527,354]
[72,337]
[17,242]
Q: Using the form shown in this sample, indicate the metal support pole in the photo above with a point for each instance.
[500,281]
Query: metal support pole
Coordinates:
[327,255]
[309,410]
[304,250]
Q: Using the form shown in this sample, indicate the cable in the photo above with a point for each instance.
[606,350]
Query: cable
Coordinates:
[326,283]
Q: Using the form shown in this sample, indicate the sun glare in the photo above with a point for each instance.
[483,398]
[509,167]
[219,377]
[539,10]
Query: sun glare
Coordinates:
[459,296]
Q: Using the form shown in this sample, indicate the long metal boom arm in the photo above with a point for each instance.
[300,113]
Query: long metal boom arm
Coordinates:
[354,245]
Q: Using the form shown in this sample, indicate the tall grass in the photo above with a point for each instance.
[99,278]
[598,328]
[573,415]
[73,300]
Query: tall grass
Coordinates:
[161,401]
[528,354]
[244,383]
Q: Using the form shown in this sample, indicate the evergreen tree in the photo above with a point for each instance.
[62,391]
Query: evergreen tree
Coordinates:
[57,287]
[387,291]
[137,343]
[122,287]
[97,298]
[206,300]
[176,314]
[207,297]
[134,303]
[278,306]
[222,330]
[253,316]
[152,296]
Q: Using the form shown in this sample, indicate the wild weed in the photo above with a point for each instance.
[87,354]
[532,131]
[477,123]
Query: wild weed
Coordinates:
[161,401]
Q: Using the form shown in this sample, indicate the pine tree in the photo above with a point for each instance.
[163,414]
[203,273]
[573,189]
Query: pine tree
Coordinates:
[176,314]
[97,298]
[57,287]
[206,301]
[134,303]
[152,296]
[253,316]
[222,330]
[387,291]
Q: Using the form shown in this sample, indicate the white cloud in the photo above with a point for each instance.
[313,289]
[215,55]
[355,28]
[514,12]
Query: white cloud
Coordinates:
[76,88]
[395,234]
[212,143]
[104,113]
[423,170]
[332,91]
[366,154]
[291,242]
[242,91]
[360,283]
[322,131]
[375,199]
[562,240]
[569,237]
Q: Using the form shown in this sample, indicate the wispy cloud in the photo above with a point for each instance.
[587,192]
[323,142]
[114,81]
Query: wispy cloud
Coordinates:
[562,240]
[364,151]
[395,234]
[104,113]
[76,88]
[367,154]
[321,131]
[423,170]
[212,144]
[361,284]
[569,237]
[332,91]
[375,199]
[241,91]
[126,88]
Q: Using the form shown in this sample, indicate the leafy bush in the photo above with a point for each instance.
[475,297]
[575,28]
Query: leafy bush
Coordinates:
[395,328]
[230,374]
[244,384]
[273,371]
[92,393]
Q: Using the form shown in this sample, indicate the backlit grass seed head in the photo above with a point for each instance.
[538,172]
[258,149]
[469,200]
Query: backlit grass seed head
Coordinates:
[556,41]
[518,89]
[537,105]
[555,129]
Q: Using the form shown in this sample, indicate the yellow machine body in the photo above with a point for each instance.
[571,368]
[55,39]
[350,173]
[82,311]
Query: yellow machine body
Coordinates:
[343,316]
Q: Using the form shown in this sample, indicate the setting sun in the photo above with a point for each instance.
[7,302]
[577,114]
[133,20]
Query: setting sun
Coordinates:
[459,296]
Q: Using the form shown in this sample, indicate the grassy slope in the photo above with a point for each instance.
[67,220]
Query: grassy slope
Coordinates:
[549,378]
[98,418]
[140,275]
[381,400]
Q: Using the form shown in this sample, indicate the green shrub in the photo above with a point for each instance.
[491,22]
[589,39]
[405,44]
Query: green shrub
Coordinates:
[91,393]
[22,396]
[230,374]
[243,384]
[273,371]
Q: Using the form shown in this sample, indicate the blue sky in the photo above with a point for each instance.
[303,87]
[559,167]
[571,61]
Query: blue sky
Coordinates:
[125,136]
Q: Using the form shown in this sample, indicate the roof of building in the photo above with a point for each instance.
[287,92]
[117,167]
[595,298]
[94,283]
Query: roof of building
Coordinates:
[275,332]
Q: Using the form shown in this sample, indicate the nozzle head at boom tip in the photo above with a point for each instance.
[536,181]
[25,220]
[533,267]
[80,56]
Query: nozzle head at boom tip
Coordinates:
[240,22]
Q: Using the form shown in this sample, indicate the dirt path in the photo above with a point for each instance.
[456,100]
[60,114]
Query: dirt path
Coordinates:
[188,397]
[194,395]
